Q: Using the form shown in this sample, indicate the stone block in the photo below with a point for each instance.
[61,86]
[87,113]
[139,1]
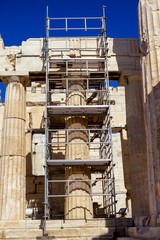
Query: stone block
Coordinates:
[144,232]
[86,232]
[127,238]
[12,224]
[29,63]
[22,234]
[32,47]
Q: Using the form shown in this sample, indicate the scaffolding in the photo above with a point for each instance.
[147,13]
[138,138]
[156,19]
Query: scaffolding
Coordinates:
[82,60]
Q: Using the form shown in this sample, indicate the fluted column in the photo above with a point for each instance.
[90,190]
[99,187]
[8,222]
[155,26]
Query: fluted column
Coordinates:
[126,169]
[149,25]
[136,145]
[13,159]
[78,205]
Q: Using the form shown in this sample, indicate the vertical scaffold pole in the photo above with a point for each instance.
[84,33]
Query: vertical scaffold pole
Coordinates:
[105,45]
[46,123]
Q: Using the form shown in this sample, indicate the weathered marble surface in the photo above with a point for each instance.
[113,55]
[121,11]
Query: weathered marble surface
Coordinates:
[13,155]
[149,25]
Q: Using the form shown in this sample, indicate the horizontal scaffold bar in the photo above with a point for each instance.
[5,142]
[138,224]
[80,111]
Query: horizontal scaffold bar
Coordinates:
[100,162]
[78,110]
[78,60]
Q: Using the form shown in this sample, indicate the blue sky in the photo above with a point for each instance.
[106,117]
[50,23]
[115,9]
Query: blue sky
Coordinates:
[23,19]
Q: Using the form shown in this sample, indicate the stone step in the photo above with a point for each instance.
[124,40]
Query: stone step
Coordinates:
[52,224]
[96,223]
[68,234]
[78,232]
[127,238]
[59,229]
[53,238]
[20,234]
[75,238]
[88,238]
[147,233]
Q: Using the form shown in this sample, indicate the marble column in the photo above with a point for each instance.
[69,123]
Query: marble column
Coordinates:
[126,169]
[149,25]
[78,205]
[13,158]
[136,145]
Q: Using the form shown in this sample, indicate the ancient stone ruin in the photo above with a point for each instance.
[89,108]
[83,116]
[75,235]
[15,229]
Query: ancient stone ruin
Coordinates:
[80,133]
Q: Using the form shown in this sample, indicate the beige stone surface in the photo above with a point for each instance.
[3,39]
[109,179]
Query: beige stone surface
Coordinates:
[79,233]
[80,206]
[123,54]
[149,25]
[22,233]
[118,107]
[68,229]
[127,238]
[35,117]
[144,232]
[12,170]
[56,234]
[90,223]
[34,190]
[13,224]
[38,153]
[8,57]
[35,94]
[1,44]
[137,146]
[120,189]
[1,121]
[126,170]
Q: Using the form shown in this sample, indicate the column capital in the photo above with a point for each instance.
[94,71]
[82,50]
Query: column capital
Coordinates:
[130,74]
[24,80]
